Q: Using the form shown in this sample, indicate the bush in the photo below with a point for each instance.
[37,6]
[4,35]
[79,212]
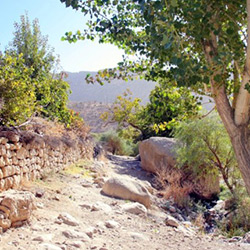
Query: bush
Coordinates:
[115,144]
[237,223]
[27,86]
[205,146]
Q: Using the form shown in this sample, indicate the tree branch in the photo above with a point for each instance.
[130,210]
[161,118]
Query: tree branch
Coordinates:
[243,98]
[208,113]
[221,167]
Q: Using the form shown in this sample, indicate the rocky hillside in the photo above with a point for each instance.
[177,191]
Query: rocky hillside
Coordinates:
[90,112]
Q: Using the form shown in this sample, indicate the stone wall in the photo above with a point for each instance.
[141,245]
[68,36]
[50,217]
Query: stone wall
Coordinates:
[26,156]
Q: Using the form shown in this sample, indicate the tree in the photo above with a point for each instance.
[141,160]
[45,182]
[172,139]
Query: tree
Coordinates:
[204,45]
[29,41]
[30,50]
[17,98]
[126,112]
[167,106]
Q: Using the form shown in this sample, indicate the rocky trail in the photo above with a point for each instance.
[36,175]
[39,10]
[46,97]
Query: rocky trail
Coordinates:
[73,213]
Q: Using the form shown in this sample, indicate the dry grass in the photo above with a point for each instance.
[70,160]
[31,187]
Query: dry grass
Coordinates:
[54,129]
[79,168]
[171,181]
[180,194]
[199,222]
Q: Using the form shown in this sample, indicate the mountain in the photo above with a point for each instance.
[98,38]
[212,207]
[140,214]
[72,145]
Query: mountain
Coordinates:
[83,92]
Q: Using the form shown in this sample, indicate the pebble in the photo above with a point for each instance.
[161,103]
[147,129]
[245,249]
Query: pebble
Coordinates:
[172,209]
[70,234]
[100,206]
[135,208]
[67,219]
[39,193]
[76,244]
[43,238]
[39,205]
[86,183]
[91,231]
[171,221]
[86,206]
[46,246]
[138,236]
[111,224]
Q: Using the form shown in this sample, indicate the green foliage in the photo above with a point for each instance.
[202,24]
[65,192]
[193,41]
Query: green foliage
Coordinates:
[115,144]
[169,37]
[237,222]
[205,146]
[124,110]
[27,84]
[196,43]
[16,90]
[54,100]
[29,41]
[167,106]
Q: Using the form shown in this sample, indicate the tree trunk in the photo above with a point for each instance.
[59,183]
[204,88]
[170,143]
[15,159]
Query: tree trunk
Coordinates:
[238,134]
[242,153]
[237,128]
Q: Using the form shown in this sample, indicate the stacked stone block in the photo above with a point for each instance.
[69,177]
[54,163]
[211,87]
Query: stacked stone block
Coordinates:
[22,161]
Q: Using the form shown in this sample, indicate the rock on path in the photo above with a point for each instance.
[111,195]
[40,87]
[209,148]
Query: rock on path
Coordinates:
[82,218]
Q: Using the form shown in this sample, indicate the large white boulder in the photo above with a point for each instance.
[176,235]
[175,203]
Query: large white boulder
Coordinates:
[158,156]
[127,189]
[157,153]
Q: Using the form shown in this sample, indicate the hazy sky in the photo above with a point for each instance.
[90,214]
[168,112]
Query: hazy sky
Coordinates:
[55,19]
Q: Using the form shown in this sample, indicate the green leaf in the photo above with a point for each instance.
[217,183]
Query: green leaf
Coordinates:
[174,3]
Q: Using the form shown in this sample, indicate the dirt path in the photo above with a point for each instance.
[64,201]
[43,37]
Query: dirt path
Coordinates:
[99,221]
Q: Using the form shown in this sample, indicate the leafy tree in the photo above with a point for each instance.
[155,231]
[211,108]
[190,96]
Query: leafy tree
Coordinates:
[55,99]
[126,112]
[29,49]
[167,106]
[29,41]
[205,146]
[205,45]
[17,98]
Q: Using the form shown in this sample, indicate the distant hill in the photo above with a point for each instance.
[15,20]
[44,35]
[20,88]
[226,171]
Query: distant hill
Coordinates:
[83,92]
[90,112]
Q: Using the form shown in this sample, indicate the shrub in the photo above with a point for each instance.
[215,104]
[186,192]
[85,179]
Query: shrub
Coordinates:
[205,146]
[173,187]
[237,223]
[115,144]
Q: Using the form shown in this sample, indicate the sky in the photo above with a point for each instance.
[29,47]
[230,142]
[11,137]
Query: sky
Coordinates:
[55,19]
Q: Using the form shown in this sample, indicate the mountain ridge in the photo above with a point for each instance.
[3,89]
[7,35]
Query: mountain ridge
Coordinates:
[107,93]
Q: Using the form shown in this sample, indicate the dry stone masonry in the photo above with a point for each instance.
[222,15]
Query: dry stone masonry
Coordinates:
[26,156]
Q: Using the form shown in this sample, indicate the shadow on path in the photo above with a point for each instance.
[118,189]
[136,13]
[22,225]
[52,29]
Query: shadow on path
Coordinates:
[130,166]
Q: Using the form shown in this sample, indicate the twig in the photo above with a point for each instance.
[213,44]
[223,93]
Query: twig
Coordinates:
[208,113]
